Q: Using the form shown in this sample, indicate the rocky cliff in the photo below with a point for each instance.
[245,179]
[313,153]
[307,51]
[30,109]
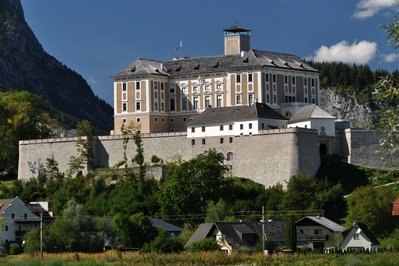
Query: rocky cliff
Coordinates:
[345,108]
[24,65]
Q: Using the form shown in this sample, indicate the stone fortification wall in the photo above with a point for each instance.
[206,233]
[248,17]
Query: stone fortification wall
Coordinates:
[363,149]
[268,158]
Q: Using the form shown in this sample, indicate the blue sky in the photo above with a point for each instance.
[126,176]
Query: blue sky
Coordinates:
[98,38]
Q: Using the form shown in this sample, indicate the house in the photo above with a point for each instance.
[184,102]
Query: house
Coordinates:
[237,236]
[162,96]
[317,233]
[359,238]
[395,207]
[235,121]
[312,116]
[170,229]
[18,218]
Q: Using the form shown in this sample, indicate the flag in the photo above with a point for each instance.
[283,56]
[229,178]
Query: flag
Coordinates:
[180,46]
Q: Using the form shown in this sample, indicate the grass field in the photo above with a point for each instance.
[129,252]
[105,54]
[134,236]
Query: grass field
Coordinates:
[116,258]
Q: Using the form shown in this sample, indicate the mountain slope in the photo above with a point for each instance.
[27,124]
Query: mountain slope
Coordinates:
[24,65]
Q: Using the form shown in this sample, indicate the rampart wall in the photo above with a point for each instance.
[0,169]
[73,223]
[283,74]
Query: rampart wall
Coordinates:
[270,157]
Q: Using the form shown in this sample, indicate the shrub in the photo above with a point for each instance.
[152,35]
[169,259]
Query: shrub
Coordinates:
[14,249]
[163,244]
[155,159]
[207,244]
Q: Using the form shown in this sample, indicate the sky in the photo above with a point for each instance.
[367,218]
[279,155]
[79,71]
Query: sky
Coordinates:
[99,38]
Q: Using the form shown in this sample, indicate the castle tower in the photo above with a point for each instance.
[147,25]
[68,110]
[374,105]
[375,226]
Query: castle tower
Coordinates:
[236,40]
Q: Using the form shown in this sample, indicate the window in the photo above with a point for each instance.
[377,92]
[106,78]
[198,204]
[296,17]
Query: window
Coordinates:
[124,107]
[317,232]
[155,94]
[356,236]
[203,129]
[6,228]
[162,106]
[172,120]
[263,126]
[219,101]
[163,120]
[156,119]
[268,98]
[250,125]
[124,86]
[251,98]
[221,127]
[138,106]
[274,78]
[162,86]
[231,140]
[172,104]
[293,80]
[172,90]
[221,140]
[305,81]
[155,85]
[184,104]
[192,129]
[218,87]
[274,98]
[207,101]
[230,127]
[267,77]
[250,77]
[123,120]
[207,88]
[313,100]
[137,85]
[230,156]
[138,119]
[306,99]
[184,119]
[193,142]
[238,98]
[238,78]
[156,106]
[12,215]
[203,141]
[195,103]
[241,126]
[312,82]
[285,79]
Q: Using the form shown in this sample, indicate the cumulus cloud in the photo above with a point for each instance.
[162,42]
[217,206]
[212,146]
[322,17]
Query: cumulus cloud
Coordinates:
[368,8]
[389,58]
[358,52]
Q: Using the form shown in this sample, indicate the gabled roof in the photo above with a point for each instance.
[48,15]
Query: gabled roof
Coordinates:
[165,225]
[211,64]
[234,231]
[320,220]
[308,112]
[366,231]
[221,115]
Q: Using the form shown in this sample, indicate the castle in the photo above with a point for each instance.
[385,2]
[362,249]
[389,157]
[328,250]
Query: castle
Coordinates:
[257,108]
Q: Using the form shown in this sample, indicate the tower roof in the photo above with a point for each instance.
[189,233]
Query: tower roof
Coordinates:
[236,28]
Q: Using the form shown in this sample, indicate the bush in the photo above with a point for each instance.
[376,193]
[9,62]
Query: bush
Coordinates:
[163,244]
[155,159]
[207,244]
[14,249]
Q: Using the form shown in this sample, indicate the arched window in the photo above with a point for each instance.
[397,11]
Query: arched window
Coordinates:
[230,156]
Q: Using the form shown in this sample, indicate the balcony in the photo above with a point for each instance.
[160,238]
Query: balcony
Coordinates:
[315,237]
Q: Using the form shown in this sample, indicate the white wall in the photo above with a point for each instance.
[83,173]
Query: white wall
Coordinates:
[362,241]
[317,123]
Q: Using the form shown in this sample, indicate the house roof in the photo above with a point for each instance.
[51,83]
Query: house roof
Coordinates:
[212,64]
[233,231]
[323,221]
[236,28]
[165,225]
[4,203]
[308,112]
[366,231]
[235,113]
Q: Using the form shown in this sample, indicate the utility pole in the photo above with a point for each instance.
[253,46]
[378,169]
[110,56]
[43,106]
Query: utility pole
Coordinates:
[263,229]
[41,235]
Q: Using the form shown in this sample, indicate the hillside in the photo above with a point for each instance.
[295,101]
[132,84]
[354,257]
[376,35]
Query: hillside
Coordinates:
[24,65]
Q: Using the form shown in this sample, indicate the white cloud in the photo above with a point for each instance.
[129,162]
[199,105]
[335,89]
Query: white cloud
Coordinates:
[368,8]
[389,58]
[358,52]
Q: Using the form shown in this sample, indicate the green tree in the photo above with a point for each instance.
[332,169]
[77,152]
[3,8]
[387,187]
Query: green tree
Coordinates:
[163,244]
[373,207]
[192,184]
[290,234]
[84,146]
[32,241]
[217,212]
[207,244]
[300,193]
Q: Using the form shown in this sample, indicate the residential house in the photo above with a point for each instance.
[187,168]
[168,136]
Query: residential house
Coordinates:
[239,236]
[395,207]
[170,229]
[18,218]
[235,121]
[318,233]
[359,238]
